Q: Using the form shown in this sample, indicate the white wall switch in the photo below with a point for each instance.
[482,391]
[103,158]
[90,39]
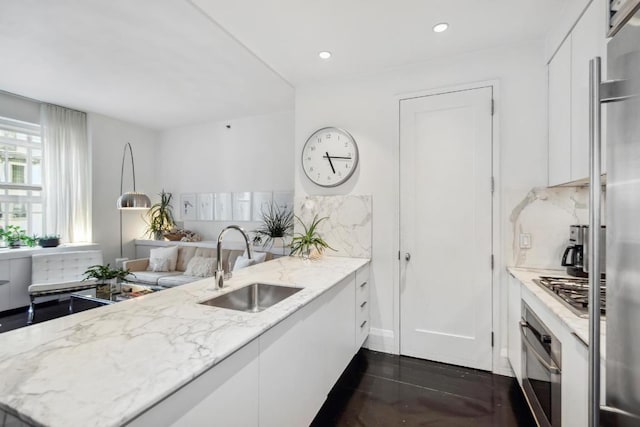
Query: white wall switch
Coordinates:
[525,241]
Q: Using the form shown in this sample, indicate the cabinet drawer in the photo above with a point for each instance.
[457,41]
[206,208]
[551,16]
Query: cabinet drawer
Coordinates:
[362,312]
[362,331]
[362,292]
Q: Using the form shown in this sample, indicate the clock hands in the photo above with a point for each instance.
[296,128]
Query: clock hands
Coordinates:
[330,162]
[336,157]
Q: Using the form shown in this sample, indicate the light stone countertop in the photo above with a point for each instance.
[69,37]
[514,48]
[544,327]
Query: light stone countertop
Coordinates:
[104,366]
[578,325]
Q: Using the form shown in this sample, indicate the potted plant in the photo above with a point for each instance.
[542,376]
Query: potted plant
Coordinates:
[276,223]
[49,240]
[303,243]
[160,217]
[14,236]
[105,275]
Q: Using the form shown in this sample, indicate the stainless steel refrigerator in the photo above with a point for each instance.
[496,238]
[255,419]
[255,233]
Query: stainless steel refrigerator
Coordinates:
[619,96]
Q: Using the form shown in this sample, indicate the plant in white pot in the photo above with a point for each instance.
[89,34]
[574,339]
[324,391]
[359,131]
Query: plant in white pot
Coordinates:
[160,217]
[303,243]
[277,223]
[105,275]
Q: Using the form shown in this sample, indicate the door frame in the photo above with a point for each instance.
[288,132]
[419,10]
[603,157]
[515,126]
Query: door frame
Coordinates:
[498,298]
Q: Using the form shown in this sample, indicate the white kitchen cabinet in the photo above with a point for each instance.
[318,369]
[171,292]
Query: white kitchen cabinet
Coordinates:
[569,96]
[20,281]
[587,42]
[575,384]
[6,302]
[560,115]
[226,395]
[362,323]
[514,314]
[302,357]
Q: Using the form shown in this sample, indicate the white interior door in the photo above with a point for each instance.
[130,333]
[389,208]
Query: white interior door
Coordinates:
[446,227]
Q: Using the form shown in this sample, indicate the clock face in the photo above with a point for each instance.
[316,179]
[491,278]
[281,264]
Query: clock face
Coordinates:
[330,156]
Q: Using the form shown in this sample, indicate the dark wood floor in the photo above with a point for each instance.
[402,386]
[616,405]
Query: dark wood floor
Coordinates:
[380,389]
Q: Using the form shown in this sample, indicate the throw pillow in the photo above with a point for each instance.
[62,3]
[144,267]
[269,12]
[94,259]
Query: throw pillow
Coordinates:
[258,257]
[199,266]
[163,259]
[242,262]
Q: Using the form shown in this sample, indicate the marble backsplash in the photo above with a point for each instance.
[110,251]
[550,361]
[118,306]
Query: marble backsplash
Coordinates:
[348,227]
[546,214]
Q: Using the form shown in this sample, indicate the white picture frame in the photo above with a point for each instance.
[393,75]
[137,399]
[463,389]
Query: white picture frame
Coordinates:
[222,207]
[242,206]
[261,200]
[205,206]
[188,207]
[283,199]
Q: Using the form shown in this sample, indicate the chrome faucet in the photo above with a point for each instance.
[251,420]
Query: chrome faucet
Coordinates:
[219,274]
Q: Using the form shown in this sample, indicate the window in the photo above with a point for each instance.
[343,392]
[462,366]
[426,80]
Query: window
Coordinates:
[21,175]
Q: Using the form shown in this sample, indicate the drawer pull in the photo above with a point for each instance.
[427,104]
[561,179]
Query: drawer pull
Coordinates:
[363,304]
[362,324]
[363,284]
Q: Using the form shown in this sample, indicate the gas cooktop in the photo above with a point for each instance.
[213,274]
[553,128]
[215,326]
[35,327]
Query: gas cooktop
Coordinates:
[573,292]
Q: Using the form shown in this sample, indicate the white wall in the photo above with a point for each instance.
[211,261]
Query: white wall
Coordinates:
[367,106]
[254,154]
[107,138]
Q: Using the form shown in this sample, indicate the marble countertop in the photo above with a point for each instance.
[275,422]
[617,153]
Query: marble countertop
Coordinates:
[102,367]
[578,325]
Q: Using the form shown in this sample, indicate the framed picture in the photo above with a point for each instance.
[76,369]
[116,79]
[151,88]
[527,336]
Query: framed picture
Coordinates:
[188,209]
[242,206]
[205,206]
[261,202]
[283,199]
[222,207]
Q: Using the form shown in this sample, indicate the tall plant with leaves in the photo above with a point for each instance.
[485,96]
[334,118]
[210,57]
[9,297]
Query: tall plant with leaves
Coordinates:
[276,223]
[160,216]
[302,243]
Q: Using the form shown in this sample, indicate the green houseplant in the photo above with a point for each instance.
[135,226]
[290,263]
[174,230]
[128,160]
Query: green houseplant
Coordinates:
[14,235]
[302,243]
[276,223]
[160,217]
[106,276]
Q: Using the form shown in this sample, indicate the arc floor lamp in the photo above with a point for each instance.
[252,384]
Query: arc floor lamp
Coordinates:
[131,200]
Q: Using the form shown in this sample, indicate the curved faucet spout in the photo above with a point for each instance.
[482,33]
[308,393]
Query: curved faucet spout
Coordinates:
[219,274]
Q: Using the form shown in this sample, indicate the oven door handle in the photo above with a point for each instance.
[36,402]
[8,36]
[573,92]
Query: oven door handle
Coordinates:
[549,367]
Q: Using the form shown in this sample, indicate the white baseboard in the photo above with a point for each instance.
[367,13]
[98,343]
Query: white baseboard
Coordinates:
[382,340]
[501,366]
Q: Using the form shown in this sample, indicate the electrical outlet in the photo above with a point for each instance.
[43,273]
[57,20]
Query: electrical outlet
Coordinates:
[525,241]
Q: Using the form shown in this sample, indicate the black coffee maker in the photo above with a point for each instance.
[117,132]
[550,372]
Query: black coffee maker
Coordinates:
[573,256]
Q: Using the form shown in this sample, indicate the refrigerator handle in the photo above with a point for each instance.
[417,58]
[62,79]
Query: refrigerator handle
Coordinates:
[595,194]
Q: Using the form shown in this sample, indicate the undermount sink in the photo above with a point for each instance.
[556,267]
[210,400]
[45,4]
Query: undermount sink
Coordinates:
[253,298]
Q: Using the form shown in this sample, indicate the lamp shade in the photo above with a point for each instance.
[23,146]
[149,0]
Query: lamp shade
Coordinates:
[133,200]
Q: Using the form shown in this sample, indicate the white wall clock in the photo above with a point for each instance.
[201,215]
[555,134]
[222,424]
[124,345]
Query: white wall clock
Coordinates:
[330,156]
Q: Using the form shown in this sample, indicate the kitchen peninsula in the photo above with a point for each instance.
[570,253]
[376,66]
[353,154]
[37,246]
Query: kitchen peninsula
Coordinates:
[140,361]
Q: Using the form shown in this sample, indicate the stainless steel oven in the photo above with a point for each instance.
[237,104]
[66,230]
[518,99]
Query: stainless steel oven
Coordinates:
[541,369]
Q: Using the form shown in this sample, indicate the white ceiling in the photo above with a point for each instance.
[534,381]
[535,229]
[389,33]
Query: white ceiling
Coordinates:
[369,35]
[169,63]
[157,63]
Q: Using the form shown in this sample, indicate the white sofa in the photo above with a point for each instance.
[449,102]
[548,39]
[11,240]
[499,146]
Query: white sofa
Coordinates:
[169,279]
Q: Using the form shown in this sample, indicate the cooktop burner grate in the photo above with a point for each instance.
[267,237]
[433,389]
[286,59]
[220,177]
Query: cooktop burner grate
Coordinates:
[573,292]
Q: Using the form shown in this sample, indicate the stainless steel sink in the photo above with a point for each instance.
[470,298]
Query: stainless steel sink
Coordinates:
[252,298]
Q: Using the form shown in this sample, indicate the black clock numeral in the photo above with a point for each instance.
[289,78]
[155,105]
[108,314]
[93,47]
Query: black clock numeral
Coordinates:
[308,158]
[328,136]
[313,148]
[346,166]
[346,145]
[318,176]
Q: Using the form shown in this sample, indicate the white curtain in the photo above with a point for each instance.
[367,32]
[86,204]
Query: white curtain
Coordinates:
[66,173]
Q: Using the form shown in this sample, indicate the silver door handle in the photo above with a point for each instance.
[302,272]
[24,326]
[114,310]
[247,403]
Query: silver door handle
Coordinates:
[407,256]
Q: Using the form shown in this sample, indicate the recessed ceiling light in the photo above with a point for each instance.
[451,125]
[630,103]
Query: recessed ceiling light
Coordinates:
[442,26]
[325,54]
